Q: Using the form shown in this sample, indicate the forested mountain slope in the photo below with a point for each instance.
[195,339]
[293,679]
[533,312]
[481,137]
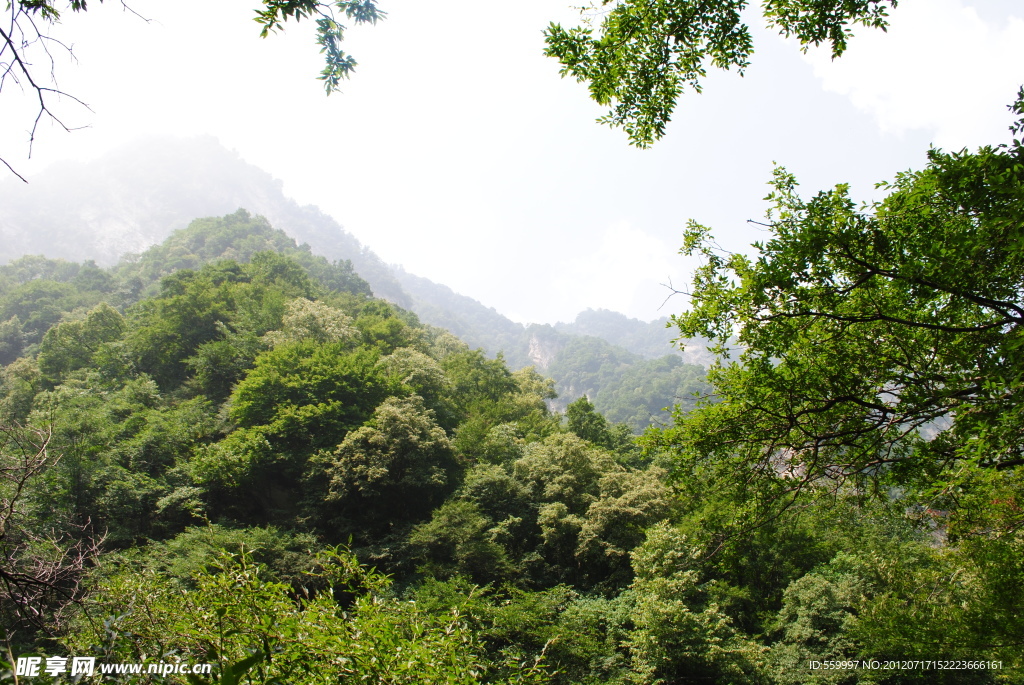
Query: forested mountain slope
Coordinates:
[629,369]
[226,451]
[254,464]
[187,403]
[132,199]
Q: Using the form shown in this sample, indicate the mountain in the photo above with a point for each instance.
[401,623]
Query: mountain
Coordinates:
[631,370]
[647,339]
[136,197]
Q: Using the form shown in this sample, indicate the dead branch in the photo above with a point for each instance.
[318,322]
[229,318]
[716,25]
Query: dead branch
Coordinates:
[40,570]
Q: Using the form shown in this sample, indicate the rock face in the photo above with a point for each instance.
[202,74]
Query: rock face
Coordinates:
[544,346]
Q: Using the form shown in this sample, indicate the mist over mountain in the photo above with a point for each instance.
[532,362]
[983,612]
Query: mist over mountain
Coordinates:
[134,198]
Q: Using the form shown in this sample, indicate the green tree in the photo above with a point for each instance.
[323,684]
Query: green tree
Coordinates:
[316,321]
[880,347]
[419,374]
[118,442]
[20,382]
[392,470]
[223,301]
[236,237]
[819,612]
[588,510]
[294,383]
[43,562]
[645,52]
[648,390]
[253,629]
[586,423]
[12,340]
[386,327]
[681,632]
[37,305]
[71,345]
[458,540]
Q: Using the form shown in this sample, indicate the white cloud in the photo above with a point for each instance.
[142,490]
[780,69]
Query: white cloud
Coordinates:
[940,67]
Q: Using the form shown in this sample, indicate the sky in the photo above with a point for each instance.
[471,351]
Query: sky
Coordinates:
[457,151]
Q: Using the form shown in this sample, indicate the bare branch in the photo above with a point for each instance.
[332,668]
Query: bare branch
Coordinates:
[21,34]
[40,571]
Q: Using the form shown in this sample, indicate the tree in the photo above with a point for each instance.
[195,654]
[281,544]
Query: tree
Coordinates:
[587,423]
[681,633]
[70,345]
[882,346]
[394,469]
[25,45]
[646,51]
[308,320]
[40,570]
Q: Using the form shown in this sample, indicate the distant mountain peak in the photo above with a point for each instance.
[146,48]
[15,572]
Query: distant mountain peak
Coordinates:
[135,196]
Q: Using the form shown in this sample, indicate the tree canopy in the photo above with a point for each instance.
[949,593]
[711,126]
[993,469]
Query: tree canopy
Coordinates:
[637,61]
[178,471]
[644,53]
[881,346]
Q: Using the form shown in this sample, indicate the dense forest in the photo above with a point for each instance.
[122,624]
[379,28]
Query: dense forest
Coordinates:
[132,199]
[227,400]
[225,450]
[242,461]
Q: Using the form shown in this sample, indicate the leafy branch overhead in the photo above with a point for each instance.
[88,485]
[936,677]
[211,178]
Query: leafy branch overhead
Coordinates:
[329,33]
[644,53]
[28,51]
[637,61]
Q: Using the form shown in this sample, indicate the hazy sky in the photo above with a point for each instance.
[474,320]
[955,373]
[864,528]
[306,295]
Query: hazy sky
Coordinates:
[458,152]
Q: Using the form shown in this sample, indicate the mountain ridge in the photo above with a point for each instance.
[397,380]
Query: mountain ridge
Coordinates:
[133,198]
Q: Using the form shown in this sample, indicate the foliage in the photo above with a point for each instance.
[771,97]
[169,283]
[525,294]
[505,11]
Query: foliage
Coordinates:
[623,386]
[293,384]
[41,567]
[648,391]
[563,511]
[681,631]
[71,345]
[251,627]
[880,348]
[119,443]
[35,306]
[20,381]
[458,541]
[395,468]
[282,556]
[329,33]
[307,320]
[586,423]
[269,407]
[852,493]
[237,237]
[645,52]
[254,408]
